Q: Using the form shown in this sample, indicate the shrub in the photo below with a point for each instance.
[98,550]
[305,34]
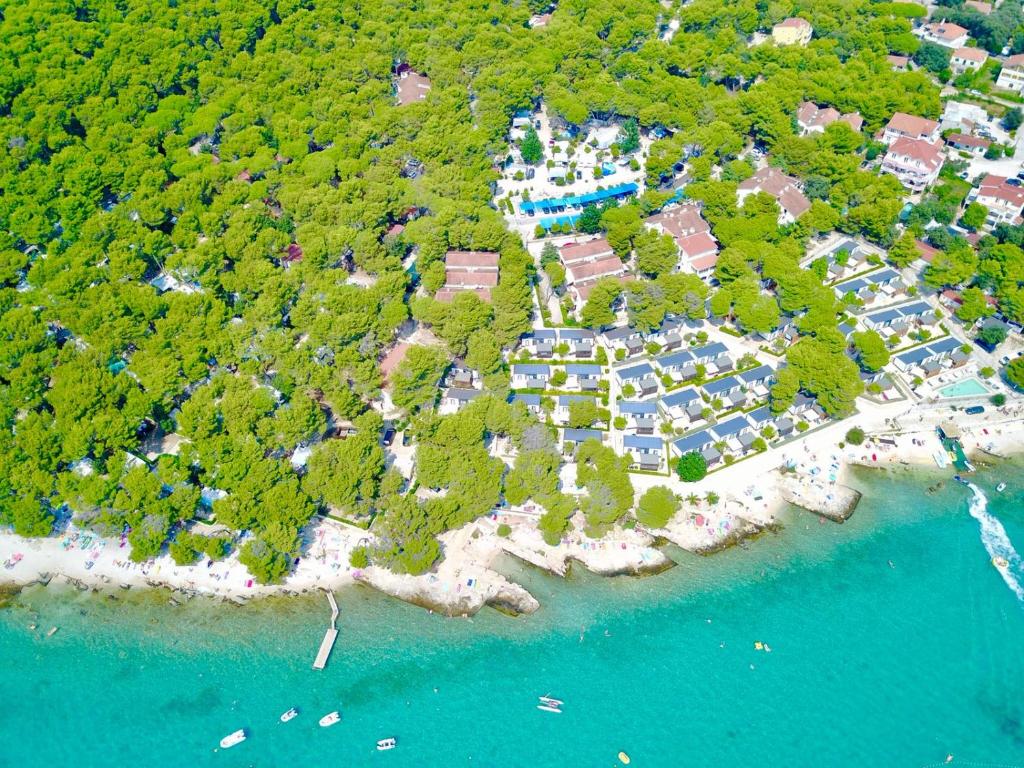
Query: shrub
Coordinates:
[657,506]
[691,467]
[855,436]
[998,400]
[359,558]
[504,530]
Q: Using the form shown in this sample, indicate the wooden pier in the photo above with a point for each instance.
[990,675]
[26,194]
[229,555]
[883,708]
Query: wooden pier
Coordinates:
[329,637]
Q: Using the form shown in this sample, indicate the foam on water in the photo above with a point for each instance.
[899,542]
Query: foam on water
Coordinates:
[996,542]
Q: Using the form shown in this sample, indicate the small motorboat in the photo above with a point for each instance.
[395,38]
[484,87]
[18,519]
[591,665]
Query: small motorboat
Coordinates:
[385,744]
[1000,562]
[291,714]
[1001,487]
[329,719]
[232,739]
[548,704]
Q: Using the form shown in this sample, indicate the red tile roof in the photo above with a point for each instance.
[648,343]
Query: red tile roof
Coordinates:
[971,54]
[794,21]
[573,252]
[781,187]
[698,245]
[590,270]
[447,293]
[927,252]
[471,259]
[993,186]
[911,125]
[459,278]
[917,149]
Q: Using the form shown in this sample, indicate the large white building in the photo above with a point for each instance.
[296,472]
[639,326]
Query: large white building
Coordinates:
[915,162]
[1011,77]
[901,125]
[774,182]
[1005,203]
[944,33]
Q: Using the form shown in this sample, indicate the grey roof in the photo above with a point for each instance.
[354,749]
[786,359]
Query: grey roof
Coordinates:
[710,453]
[649,460]
[693,442]
[760,416]
[731,427]
[541,334]
[577,369]
[465,395]
[710,351]
[530,369]
[644,422]
[722,386]
[643,443]
[581,435]
[680,397]
[575,334]
[746,439]
[695,409]
[635,372]
[760,373]
[784,424]
[636,407]
[567,400]
[675,360]
[737,397]
[530,400]
[619,333]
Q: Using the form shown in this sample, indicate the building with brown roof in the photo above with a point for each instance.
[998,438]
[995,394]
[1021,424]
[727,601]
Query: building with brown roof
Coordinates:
[588,250]
[899,63]
[964,142]
[902,125]
[814,119]
[964,59]
[783,188]
[792,31]
[469,271]
[1005,202]
[411,86]
[1011,76]
[915,162]
[587,262]
[944,33]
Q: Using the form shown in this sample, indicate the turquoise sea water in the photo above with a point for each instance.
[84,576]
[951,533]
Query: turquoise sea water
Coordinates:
[870,664]
[964,388]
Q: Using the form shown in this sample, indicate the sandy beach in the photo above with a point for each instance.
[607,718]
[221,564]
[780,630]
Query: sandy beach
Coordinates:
[812,474]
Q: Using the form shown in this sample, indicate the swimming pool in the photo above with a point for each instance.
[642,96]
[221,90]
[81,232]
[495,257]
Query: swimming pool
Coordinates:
[963,388]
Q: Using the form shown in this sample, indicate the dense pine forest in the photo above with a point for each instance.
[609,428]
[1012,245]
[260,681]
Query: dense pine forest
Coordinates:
[256,151]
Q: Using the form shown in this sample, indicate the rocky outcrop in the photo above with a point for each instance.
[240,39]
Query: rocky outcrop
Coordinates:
[453,599]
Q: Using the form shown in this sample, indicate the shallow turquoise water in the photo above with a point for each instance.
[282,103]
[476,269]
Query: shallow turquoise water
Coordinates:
[963,388]
[871,665]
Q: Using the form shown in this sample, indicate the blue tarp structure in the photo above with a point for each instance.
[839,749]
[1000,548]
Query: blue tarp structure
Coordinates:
[559,204]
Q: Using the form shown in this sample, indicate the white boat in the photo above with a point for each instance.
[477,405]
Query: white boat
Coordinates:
[329,719]
[291,714]
[1001,487]
[1000,562]
[386,744]
[548,704]
[232,739]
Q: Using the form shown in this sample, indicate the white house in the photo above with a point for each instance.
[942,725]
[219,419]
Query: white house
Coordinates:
[916,163]
[944,33]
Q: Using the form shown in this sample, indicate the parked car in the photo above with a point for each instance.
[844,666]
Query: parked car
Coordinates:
[975,409]
[1004,360]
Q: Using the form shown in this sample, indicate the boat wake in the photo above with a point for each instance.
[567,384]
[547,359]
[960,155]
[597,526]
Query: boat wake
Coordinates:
[997,543]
